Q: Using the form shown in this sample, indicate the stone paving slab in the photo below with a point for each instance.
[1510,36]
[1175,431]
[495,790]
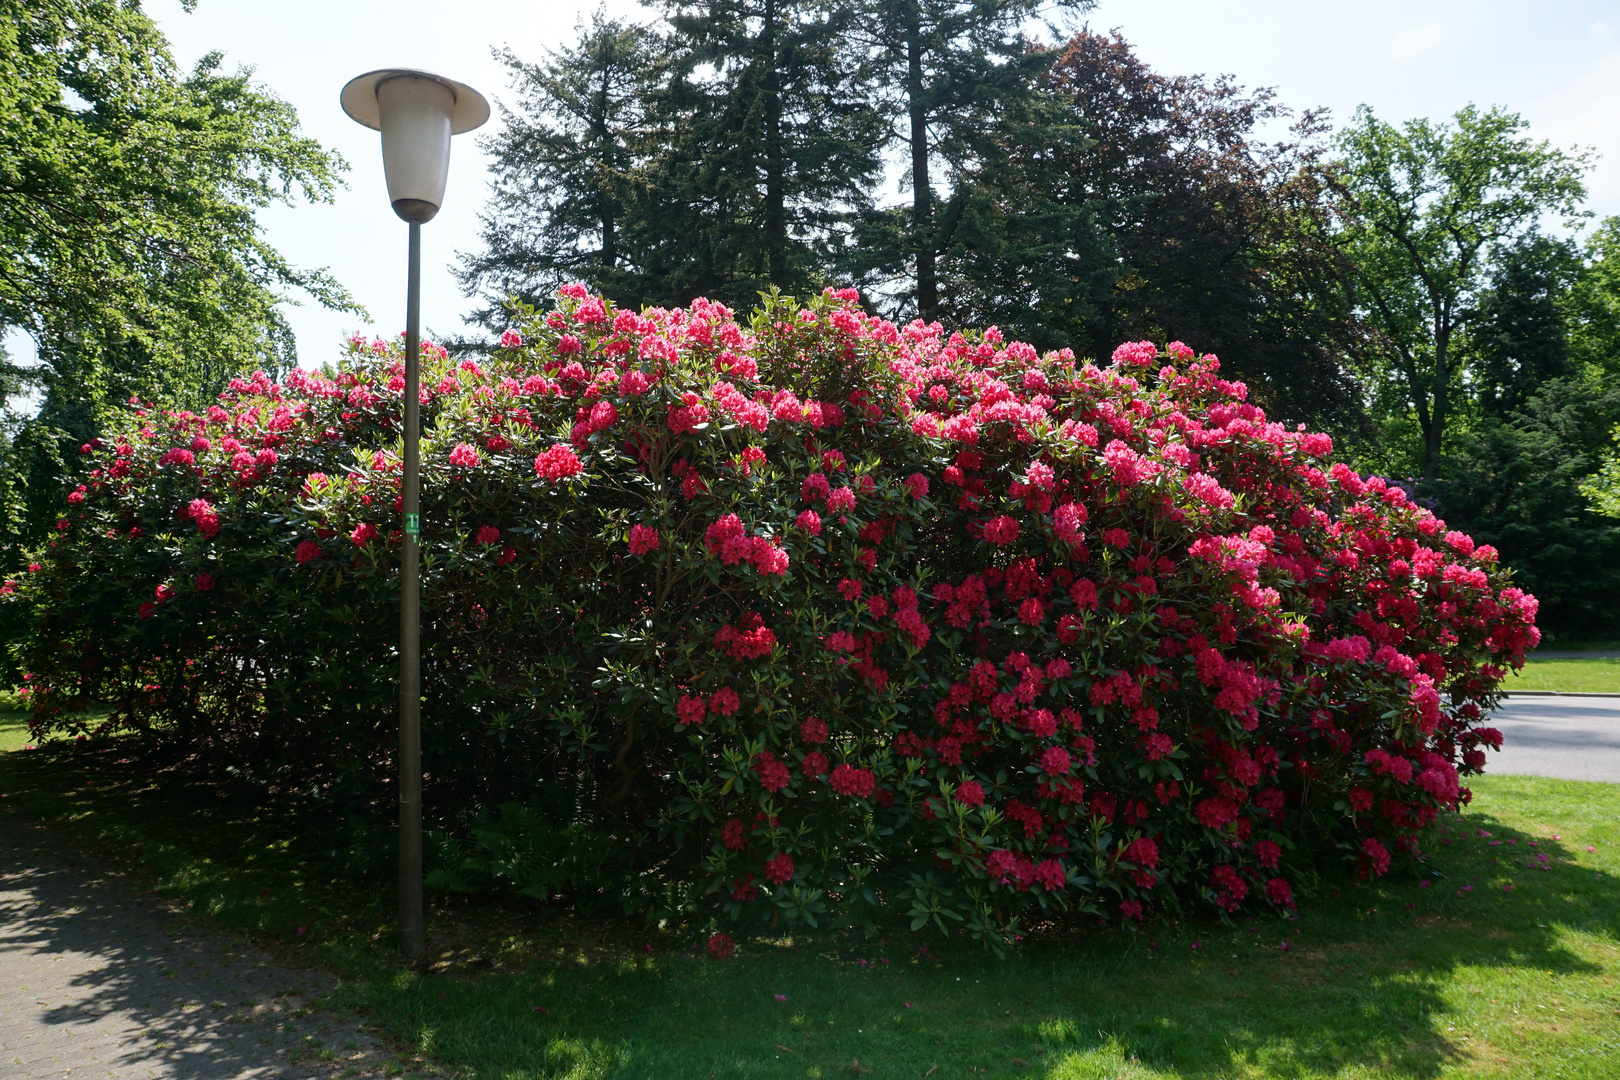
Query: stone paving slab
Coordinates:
[97,981]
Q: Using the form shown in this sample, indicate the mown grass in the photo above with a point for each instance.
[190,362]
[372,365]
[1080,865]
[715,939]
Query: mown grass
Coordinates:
[1459,977]
[1584,676]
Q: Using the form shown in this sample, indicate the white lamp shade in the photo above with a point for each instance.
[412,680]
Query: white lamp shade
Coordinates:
[415,143]
[417,112]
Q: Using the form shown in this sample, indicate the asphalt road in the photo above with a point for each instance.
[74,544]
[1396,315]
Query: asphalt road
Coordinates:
[1569,737]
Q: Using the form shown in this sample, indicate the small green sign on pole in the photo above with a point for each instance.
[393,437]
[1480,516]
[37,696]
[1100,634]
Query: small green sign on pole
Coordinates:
[413,525]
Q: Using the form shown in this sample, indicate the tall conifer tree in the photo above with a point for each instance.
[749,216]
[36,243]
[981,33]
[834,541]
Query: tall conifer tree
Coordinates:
[570,199]
[948,71]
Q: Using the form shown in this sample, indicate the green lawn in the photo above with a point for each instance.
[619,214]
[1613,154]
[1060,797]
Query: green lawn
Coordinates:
[1461,977]
[13,731]
[1571,676]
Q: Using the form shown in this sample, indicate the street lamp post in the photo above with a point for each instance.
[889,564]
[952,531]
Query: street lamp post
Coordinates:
[417,113]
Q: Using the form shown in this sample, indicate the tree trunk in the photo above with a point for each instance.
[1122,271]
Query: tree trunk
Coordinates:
[1441,396]
[922,195]
[606,153]
[775,198]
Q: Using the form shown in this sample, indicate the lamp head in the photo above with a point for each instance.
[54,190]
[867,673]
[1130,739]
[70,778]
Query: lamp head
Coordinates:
[417,112]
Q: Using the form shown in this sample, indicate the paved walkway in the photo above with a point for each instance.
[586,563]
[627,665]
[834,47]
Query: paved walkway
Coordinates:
[1570,737]
[96,981]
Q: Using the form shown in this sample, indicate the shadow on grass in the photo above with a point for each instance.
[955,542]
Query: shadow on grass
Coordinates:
[1368,986]
[1392,979]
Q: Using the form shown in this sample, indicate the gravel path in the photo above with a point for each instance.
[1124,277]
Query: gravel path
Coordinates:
[97,981]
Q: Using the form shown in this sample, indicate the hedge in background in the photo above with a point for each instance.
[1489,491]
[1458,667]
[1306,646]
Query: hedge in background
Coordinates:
[815,613]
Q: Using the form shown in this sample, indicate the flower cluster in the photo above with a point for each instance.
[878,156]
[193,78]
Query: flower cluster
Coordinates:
[821,596]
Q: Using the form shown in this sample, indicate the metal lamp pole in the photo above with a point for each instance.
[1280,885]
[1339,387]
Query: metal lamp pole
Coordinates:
[417,113]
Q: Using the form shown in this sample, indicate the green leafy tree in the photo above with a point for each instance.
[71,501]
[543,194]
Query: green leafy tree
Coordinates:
[1517,337]
[1428,210]
[1592,306]
[1124,204]
[1515,482]
[130,249]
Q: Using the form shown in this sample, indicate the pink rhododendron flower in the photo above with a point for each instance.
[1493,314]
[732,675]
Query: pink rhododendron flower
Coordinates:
[1001,530]
[464,455]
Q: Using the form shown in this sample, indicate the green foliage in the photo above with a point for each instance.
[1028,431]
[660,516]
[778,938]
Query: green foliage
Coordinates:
[1516,482]
[1120,204]
[950,75]
[129,243]
[1428,210]
[572,156]
[716,156]
[528,852]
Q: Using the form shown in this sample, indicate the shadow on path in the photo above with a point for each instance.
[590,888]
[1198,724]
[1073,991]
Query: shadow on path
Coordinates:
[98,981]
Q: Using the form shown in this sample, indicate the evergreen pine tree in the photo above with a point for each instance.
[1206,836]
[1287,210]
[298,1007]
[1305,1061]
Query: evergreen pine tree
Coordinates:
[948,72]
[570,199]
[772,142]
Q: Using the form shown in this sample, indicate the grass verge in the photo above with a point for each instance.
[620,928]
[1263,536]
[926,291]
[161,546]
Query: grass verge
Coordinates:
[1500,967]
[1586,676]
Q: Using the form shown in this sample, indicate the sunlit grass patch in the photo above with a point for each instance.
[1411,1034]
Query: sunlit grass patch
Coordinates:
[1585,676]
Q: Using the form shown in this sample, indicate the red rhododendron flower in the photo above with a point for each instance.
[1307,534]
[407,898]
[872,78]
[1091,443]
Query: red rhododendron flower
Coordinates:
[1055,761]
[779,870]
[363,534]
[642,540]
[773,775]
[691,710]
[558,463]
[1142,852]
[721,946]
[813,731]
[1000,531]
[307,550]
[1377,857]
[487,535]
[848,780]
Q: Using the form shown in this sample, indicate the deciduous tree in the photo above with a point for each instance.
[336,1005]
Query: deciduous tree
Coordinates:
[1429,208]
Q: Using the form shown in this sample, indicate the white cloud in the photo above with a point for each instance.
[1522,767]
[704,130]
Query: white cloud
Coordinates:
[1601,29]
[1417,40]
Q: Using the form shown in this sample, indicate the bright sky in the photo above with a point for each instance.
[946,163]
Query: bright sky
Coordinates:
[1557,64]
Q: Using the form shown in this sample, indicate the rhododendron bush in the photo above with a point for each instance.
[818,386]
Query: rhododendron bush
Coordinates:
[813,612]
